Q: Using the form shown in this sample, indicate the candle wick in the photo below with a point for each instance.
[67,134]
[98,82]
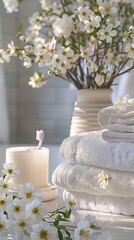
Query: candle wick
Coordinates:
[40,138]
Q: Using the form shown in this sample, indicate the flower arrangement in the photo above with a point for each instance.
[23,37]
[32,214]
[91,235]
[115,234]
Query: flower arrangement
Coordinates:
[88,43]
[25,216]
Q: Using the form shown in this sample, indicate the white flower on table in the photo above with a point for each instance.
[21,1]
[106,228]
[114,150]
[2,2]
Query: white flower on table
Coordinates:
[4,201]
[83,13]
[63,26]
[107,33]
[83,230]
[37,80]
[9,170]
[11,5]
[103,180]
[36,210]
[4,224]
[16,207]
[22,224]
[99,79]
[43,230]
[28,192]
[129,48]
[5,184]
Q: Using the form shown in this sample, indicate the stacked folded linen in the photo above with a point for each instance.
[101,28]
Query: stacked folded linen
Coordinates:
[118,121]
[87,155]
[99,167]
[107,204]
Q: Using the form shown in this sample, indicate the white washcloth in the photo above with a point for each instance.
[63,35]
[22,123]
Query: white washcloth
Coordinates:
[85,179]
[91,149]
[117,137]
[105,204]
[113,115]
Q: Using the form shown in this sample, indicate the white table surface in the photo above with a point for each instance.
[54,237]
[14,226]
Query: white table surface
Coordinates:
[113,227]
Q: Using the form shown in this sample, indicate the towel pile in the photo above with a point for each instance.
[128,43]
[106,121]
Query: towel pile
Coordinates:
[98,171]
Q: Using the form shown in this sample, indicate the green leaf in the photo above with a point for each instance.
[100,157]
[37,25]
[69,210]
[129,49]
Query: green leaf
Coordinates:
[19,33]
[67,213]
[60,235]
[63,40]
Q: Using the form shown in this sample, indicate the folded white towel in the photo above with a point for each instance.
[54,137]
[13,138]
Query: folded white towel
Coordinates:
[117,137]
[105,204]
[85,179]
[91,149]
[118,117]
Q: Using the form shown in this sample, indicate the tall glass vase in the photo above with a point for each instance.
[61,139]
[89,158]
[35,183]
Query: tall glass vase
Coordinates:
[89,103]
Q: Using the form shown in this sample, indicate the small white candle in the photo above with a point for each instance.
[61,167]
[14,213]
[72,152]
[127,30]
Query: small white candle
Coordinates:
[32,163]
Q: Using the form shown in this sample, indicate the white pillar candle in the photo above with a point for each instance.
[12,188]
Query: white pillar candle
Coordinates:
[32,163]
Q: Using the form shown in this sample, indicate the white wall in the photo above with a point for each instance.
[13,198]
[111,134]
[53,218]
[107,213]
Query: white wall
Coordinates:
[49,108]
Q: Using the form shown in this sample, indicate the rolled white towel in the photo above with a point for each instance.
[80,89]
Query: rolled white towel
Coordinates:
[90,149]
[94,180]
[117,137]
[118,117]
[101,203]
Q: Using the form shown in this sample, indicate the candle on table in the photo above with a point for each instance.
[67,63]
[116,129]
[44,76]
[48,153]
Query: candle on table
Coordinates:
[32,163]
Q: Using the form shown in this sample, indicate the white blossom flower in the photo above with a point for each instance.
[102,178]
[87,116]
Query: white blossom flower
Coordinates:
[124,102]
[16,207]
[93,67]
[22,224]
[11,5]
[4,201]
[9,170]
[4,224]
[93,23]
[38,80]
[99,79]
[108,58]
[83,13]
[83,230]
[107,33]
[114,21]
[106,7]
[28,192]
[5,184]
[43,230]
[36,209]
[103,180]
[129,48]
[63,26]
[27,62]
[11,49]
[86,53]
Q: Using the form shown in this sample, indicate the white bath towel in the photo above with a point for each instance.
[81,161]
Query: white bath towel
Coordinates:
[105,204]
[111,114]
[85,179]
[119,117]
[91,149]
[117,137]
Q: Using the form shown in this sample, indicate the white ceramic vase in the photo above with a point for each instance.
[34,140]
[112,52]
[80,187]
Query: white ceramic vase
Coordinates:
[89,103]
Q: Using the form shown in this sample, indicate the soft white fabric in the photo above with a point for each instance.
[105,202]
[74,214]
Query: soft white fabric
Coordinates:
[90,149]
[117,137]
[111,118]
[105,204]
[4,124]
[85,179]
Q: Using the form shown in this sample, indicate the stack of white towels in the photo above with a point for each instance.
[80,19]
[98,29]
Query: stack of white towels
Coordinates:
[98,171]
